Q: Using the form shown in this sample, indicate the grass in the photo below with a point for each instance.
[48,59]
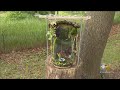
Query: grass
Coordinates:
[23,65]
[21,34]
[112,50]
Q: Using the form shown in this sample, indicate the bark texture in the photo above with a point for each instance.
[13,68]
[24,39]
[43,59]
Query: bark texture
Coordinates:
[93,42]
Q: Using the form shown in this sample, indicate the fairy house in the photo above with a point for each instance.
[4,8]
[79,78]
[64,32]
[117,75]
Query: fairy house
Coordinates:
[64,42]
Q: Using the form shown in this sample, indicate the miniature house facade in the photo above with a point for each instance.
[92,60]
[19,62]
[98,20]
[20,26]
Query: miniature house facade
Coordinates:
[63,36]
[63,42]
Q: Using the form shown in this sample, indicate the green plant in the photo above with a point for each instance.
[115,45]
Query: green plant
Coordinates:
[64,63]
[117,18]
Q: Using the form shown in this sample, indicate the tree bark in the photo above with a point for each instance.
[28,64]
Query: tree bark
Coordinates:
[93,42]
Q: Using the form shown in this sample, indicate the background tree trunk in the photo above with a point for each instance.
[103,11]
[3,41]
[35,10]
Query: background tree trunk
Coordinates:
[93,42]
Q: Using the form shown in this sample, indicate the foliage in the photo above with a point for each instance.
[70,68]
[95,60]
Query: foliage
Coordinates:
[16,15]
[117,18]
[63,63]
[39,12]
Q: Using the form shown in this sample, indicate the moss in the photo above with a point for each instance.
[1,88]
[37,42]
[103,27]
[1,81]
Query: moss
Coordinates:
[63,64]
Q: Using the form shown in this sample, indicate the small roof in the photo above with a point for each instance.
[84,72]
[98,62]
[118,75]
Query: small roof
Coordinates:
[67,23]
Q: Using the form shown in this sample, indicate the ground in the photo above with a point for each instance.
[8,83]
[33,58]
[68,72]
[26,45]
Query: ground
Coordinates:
[115,30]
[30,64]
[113,50]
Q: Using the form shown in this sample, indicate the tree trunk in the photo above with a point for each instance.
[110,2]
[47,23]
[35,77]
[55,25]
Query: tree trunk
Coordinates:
[93,42]
[55,72]
[56,12]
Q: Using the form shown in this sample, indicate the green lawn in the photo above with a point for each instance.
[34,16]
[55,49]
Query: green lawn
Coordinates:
[112,50]
[22,34]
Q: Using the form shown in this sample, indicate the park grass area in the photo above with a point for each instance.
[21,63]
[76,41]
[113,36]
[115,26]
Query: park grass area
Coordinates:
[112,50]
[21,34]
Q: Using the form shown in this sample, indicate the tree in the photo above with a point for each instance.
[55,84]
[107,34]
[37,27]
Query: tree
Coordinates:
[93,42]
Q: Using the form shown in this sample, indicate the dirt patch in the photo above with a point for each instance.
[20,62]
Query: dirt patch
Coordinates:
[17,57]
[115,30]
